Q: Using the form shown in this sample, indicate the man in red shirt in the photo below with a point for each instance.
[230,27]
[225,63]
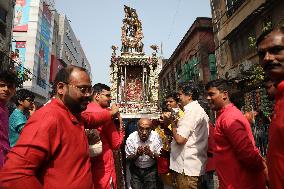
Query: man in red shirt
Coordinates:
[52,150]
[7,90]
[270,47]
[103,167]
[237,159]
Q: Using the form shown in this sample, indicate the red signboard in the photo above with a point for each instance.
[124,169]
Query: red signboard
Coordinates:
[21,17]
[55,66]
[20,44]
[21,2]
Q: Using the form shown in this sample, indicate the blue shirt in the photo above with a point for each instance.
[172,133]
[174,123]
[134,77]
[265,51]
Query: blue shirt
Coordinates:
[17,121]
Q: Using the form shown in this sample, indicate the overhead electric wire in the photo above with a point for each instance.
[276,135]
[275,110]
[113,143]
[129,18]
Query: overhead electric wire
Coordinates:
[174,19]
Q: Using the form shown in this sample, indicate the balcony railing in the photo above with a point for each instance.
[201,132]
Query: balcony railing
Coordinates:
[233,6]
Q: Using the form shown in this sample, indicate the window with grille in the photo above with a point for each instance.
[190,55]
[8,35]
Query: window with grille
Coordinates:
[178,70]
[233,6]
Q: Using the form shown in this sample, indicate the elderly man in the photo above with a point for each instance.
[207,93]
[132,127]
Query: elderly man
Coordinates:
[142,149]
[52,150]
[270,48]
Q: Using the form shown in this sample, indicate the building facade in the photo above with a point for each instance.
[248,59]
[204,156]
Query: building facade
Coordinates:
[84,61]
[69,48]
[236,26]
[193,59]
[32,44]
[6,24]
[43,42]
[55,64]
[66,49]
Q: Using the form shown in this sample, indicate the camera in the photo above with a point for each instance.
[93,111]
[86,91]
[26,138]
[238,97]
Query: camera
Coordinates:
[174,113]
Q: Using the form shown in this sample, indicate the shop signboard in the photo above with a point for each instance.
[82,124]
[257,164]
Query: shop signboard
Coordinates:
[18,54]
[44,47]
[21,18]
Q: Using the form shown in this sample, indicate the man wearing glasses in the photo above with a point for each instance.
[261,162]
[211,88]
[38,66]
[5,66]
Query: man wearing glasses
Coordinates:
[52,150]
[25,104]
[103,167]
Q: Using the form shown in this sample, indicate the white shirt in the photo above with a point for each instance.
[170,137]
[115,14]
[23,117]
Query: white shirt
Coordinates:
[133,142]
[191,157]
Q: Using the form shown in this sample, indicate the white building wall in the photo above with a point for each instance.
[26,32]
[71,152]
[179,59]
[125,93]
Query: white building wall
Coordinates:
[5,41]
[70,50]
[84,61]
[32,38]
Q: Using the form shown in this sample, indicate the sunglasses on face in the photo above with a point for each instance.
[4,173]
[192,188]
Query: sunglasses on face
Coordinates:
[83,89]
[107,95]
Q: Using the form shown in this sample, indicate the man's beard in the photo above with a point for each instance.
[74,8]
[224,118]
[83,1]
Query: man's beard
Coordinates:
[74,106]
[105,104]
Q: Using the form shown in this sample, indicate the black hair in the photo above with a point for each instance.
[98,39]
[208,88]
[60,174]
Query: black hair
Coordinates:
[63,75]
[164,107]
[99,87]
[9,77]
[173,95]
[264,34]
[189,88]
[23,94]
[220,84]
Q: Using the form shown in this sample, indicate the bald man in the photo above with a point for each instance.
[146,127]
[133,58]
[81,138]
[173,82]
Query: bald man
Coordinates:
[142,150]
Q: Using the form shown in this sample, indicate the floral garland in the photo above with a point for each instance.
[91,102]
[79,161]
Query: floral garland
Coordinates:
[143,61]
[133,90]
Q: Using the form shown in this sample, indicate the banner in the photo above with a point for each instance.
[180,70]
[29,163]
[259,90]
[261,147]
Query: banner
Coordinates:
[18,53]
[55,66]
[44,54]
[21,18]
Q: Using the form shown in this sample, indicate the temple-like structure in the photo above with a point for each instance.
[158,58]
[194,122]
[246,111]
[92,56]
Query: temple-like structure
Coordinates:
[134,75]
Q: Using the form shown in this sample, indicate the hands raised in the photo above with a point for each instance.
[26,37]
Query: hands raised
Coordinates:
[145,150]
[113,109]
[140,150]
[170,119]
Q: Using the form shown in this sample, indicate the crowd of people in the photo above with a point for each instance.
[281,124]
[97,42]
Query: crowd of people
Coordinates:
[69,142]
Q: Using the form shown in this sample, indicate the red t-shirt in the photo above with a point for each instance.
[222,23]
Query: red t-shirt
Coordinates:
[103,167]
[275,154]
[4,132]
[239,164]
[52,152]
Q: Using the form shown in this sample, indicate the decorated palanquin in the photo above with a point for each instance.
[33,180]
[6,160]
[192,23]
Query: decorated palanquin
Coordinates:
[134,82]
[134,75]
